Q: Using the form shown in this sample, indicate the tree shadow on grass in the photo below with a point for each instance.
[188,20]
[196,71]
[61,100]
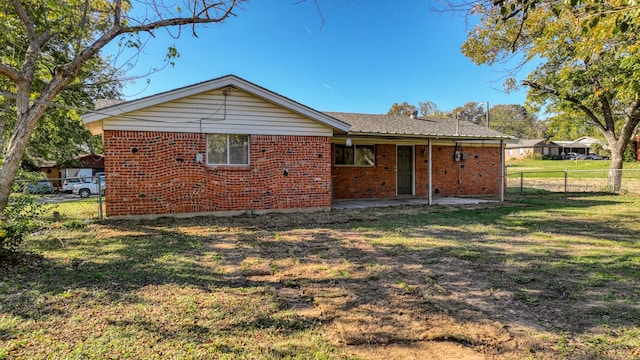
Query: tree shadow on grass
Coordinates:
[555,264]
[375,276]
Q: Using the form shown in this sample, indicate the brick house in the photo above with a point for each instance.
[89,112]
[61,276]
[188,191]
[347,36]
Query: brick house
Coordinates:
[525,148]
[229,146]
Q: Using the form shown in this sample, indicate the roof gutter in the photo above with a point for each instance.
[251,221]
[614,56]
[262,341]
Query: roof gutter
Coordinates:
[388,136]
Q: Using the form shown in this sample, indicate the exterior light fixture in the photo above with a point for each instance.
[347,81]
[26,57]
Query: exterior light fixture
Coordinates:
[348,142]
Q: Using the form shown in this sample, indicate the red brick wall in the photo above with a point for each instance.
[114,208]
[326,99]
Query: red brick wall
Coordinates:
[478,174]
[162,176]
[362,182]
[422,170]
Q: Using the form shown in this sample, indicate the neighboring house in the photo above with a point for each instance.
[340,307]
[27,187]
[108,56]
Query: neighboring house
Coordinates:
[230,146]
[50,169]
[526,148]
[582,145]
[84,166]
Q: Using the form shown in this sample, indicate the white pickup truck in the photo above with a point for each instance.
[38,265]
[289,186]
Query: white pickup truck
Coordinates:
[89,188]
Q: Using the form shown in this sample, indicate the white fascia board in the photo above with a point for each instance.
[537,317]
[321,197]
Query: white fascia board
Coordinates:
[229,80]
[508,139]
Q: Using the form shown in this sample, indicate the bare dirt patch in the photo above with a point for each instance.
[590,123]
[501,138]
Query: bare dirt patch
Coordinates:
[392,299]
[376,301]
[489,281]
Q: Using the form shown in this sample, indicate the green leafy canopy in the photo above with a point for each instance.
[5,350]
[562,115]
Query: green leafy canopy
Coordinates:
[587,54]
[51,64]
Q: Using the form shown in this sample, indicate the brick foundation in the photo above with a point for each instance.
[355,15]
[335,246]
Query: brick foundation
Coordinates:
[156,173]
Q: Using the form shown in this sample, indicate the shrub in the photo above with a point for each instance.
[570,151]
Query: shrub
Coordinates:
[629,155]
[18,219]
[533,156]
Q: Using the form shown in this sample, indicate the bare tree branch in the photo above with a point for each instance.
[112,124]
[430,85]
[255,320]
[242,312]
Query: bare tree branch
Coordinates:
[634,119]
[63,74]
[317,8]
[546,90]
[11,73]
[24,16]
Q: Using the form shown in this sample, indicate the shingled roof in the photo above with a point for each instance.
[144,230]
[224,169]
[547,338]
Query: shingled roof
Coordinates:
[529,143]
[392,125]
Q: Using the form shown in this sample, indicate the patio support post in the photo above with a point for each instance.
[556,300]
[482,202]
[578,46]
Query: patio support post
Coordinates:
[429,174]
[502,178]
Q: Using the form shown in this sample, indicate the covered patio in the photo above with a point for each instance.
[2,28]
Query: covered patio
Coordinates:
[396,157]
[436,200]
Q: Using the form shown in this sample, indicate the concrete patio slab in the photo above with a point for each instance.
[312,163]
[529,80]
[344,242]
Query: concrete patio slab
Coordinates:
[367,203]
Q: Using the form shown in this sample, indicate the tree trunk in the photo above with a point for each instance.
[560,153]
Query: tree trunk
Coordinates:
[7,176]
[11,163]
[25,123]
[615,169]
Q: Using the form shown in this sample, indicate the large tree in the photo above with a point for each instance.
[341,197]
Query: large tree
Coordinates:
[569,126]
[472,111]
[516,121]
[60,135]
[47,45]
[587,54]
[404,109]
[429,109]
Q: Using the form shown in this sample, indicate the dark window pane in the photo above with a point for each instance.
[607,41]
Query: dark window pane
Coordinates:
[239,149]
[343,155]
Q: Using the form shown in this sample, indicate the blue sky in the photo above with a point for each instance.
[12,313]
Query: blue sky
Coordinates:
[366,56]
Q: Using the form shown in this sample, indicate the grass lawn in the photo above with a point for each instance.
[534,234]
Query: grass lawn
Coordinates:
[536,176]
[548,277]
[556,168]
[75,210]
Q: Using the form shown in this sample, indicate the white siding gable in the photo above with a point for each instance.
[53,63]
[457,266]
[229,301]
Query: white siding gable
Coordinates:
[212,111]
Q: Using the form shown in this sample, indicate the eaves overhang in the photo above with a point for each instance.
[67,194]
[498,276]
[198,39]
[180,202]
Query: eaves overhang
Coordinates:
[390,136]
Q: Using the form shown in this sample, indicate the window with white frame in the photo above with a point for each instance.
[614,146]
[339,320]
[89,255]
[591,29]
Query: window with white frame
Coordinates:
[355,155]
[226,149]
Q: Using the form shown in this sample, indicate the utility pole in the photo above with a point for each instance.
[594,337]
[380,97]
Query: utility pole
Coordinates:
[486,114]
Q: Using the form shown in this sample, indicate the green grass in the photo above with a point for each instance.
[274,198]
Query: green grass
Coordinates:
[556,168]
[76,209]
[552,276]
[533,177]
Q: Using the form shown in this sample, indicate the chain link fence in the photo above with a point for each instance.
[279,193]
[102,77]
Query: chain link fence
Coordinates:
[79,199]
[528,182]
[70,198]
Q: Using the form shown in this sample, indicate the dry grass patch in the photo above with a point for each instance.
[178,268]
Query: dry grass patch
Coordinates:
[538,278]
